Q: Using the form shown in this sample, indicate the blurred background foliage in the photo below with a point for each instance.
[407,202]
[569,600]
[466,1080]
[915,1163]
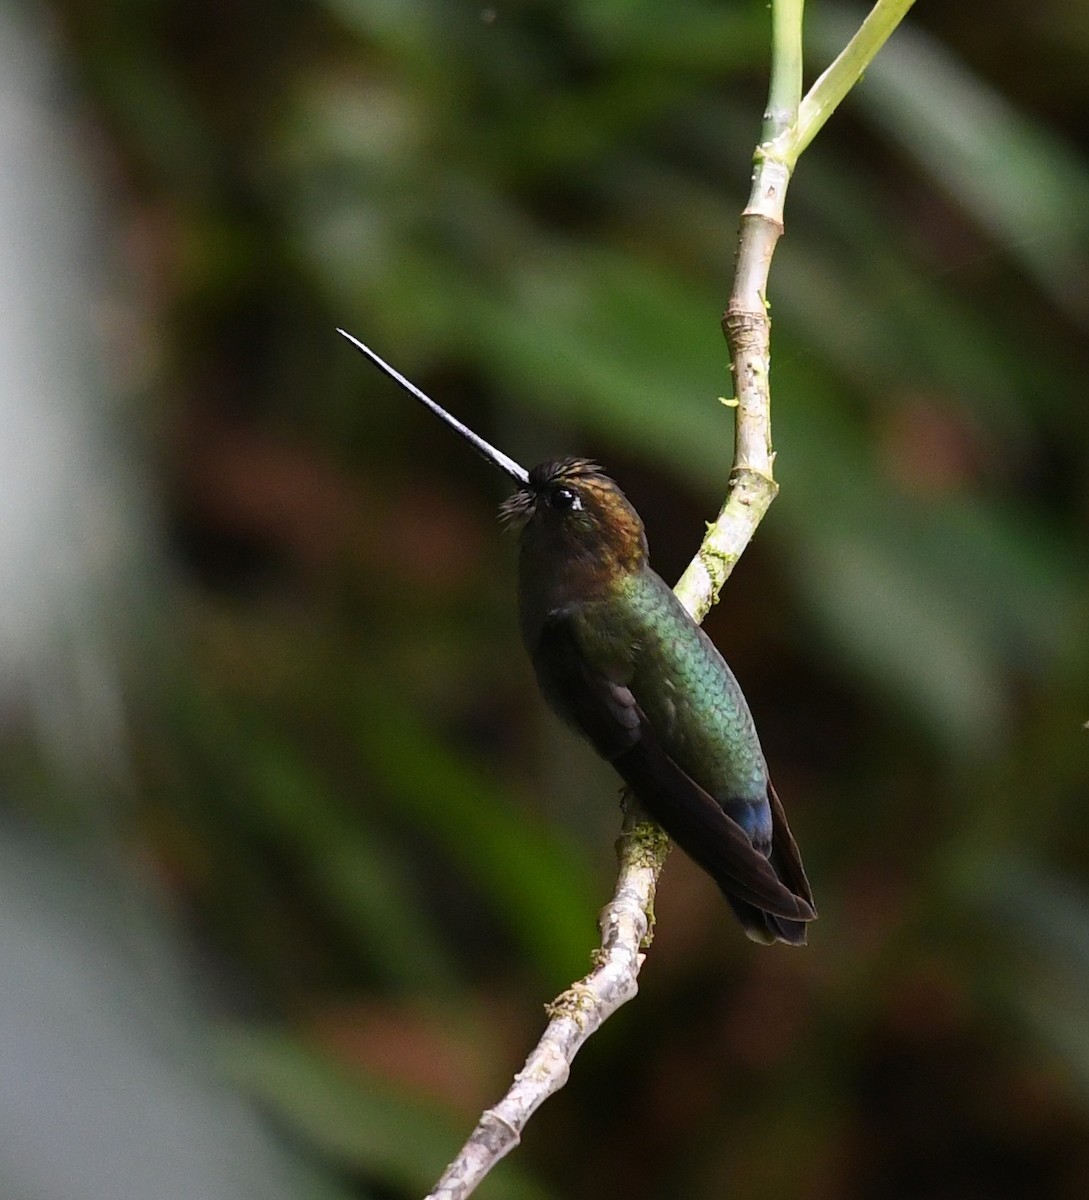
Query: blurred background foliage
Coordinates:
[278,710]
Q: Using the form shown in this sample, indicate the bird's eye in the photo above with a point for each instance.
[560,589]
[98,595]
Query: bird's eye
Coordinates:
[564,499]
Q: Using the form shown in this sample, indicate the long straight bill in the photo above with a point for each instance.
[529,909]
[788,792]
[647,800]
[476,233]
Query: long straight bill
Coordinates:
[508,465]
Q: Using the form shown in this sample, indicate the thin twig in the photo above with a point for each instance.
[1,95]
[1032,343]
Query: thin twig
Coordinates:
[627,920]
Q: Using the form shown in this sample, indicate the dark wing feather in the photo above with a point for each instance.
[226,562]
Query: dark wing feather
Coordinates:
[785,855]
[787,863]
[604,710]
[601,708]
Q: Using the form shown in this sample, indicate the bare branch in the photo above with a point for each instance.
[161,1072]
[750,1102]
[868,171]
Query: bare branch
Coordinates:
[574,1015]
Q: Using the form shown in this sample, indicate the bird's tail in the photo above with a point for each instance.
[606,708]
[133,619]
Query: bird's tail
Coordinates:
[770,895]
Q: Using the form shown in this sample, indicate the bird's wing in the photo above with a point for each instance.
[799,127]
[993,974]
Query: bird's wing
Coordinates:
[598,702]
[595,700]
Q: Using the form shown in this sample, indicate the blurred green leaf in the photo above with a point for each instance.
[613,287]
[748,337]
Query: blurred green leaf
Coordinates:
[1044,917]
[362,876]
[361,1122]
[1017,177]
[537,882]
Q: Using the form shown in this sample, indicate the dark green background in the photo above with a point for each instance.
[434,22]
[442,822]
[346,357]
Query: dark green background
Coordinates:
[341,783]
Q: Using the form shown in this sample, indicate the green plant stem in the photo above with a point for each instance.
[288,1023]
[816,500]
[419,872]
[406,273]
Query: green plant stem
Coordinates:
[785,83]
[825,95]
[789,126]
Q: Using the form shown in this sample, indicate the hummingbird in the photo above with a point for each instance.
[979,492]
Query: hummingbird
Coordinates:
[619,658]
